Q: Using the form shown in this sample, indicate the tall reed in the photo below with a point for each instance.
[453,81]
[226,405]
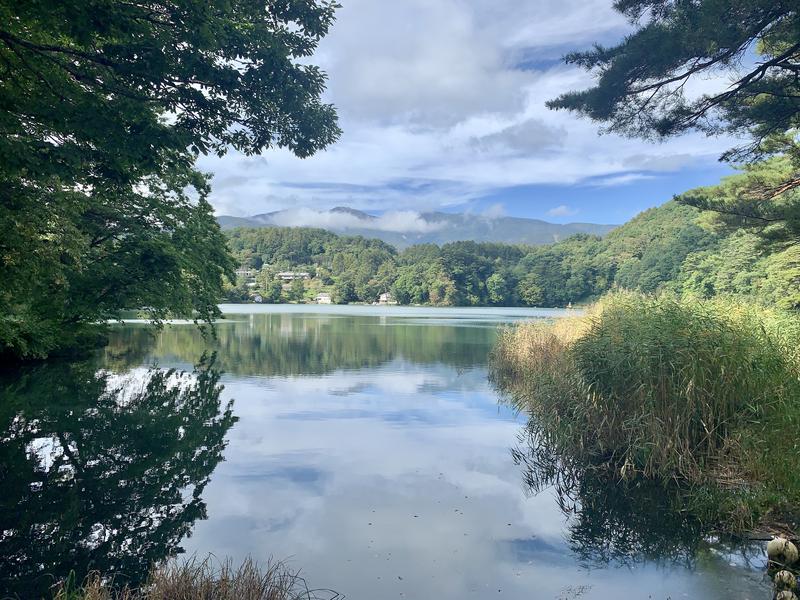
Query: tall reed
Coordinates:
[661,386]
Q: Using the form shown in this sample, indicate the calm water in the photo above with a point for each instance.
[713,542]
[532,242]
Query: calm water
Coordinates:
[364,444]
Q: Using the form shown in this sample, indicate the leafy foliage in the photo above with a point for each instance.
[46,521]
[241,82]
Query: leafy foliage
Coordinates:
[641,82]
[105,106]
[762,199]
[755,44]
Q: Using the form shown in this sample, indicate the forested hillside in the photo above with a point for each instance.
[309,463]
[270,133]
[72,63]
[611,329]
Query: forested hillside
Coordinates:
[673,247]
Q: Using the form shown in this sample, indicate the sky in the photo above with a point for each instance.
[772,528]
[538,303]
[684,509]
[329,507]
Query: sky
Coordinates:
[441,103]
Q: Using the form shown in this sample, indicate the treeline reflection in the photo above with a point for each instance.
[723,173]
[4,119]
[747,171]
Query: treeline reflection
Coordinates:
[102,472]
[291,344]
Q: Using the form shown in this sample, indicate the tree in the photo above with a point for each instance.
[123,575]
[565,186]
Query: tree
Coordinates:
[344,291]
[237,291]
[297,290]
[272,291]
[762,198]
[105,107]
[497,288]
[268,286]
[641,82]
[529,291]
[641,85]
[409,286]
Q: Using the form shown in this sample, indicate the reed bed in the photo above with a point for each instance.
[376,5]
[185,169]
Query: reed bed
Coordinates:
[680,390]
[201,580]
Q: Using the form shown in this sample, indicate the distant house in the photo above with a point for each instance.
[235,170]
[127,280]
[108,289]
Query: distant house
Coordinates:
[292,275]
[245,273]
[386,298]
[323,298]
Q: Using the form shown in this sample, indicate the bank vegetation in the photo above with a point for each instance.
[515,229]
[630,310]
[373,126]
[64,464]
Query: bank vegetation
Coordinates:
[702,395]
[199,580]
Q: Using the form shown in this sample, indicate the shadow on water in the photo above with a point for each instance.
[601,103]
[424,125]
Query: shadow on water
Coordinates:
[611,521]
[100,471]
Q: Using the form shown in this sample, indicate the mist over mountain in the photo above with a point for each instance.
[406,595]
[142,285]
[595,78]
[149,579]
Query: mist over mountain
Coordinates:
[406,228]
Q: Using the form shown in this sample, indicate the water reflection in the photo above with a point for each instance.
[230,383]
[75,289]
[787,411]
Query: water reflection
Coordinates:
[610,520]
[308,344]
[102,471]
[371,451]
[613,522]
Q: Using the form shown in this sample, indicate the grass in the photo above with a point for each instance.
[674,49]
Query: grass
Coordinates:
[200,580]
[702,393]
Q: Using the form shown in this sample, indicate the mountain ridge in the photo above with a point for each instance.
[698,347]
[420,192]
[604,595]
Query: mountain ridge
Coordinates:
[422,228]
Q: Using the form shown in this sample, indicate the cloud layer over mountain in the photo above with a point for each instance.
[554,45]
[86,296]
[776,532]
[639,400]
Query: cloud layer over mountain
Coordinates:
[400,221]
[442,103]
[404,228]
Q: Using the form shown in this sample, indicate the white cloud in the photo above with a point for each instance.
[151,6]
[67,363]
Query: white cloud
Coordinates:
[617,180]
[495,211]
[530,137]
[401,221]
[442,103]
[405,221]
[562,211]
[418,61]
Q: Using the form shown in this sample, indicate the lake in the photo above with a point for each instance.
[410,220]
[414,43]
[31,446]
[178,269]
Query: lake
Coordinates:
[364,445]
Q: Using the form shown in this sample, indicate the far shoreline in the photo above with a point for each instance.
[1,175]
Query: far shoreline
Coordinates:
[394,310]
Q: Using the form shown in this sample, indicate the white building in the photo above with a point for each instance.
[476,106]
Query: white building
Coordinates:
[292,275]
[386,298]
[323,298]
[246,273]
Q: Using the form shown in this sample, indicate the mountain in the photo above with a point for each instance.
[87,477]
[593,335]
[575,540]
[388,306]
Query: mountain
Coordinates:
[406,228]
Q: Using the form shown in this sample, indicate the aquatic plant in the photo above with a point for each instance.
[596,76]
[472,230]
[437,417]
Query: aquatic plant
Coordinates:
[678,390]
[200,580]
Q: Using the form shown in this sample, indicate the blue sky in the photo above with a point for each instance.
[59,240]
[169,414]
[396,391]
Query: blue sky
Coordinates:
[599,203]
[442,107]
